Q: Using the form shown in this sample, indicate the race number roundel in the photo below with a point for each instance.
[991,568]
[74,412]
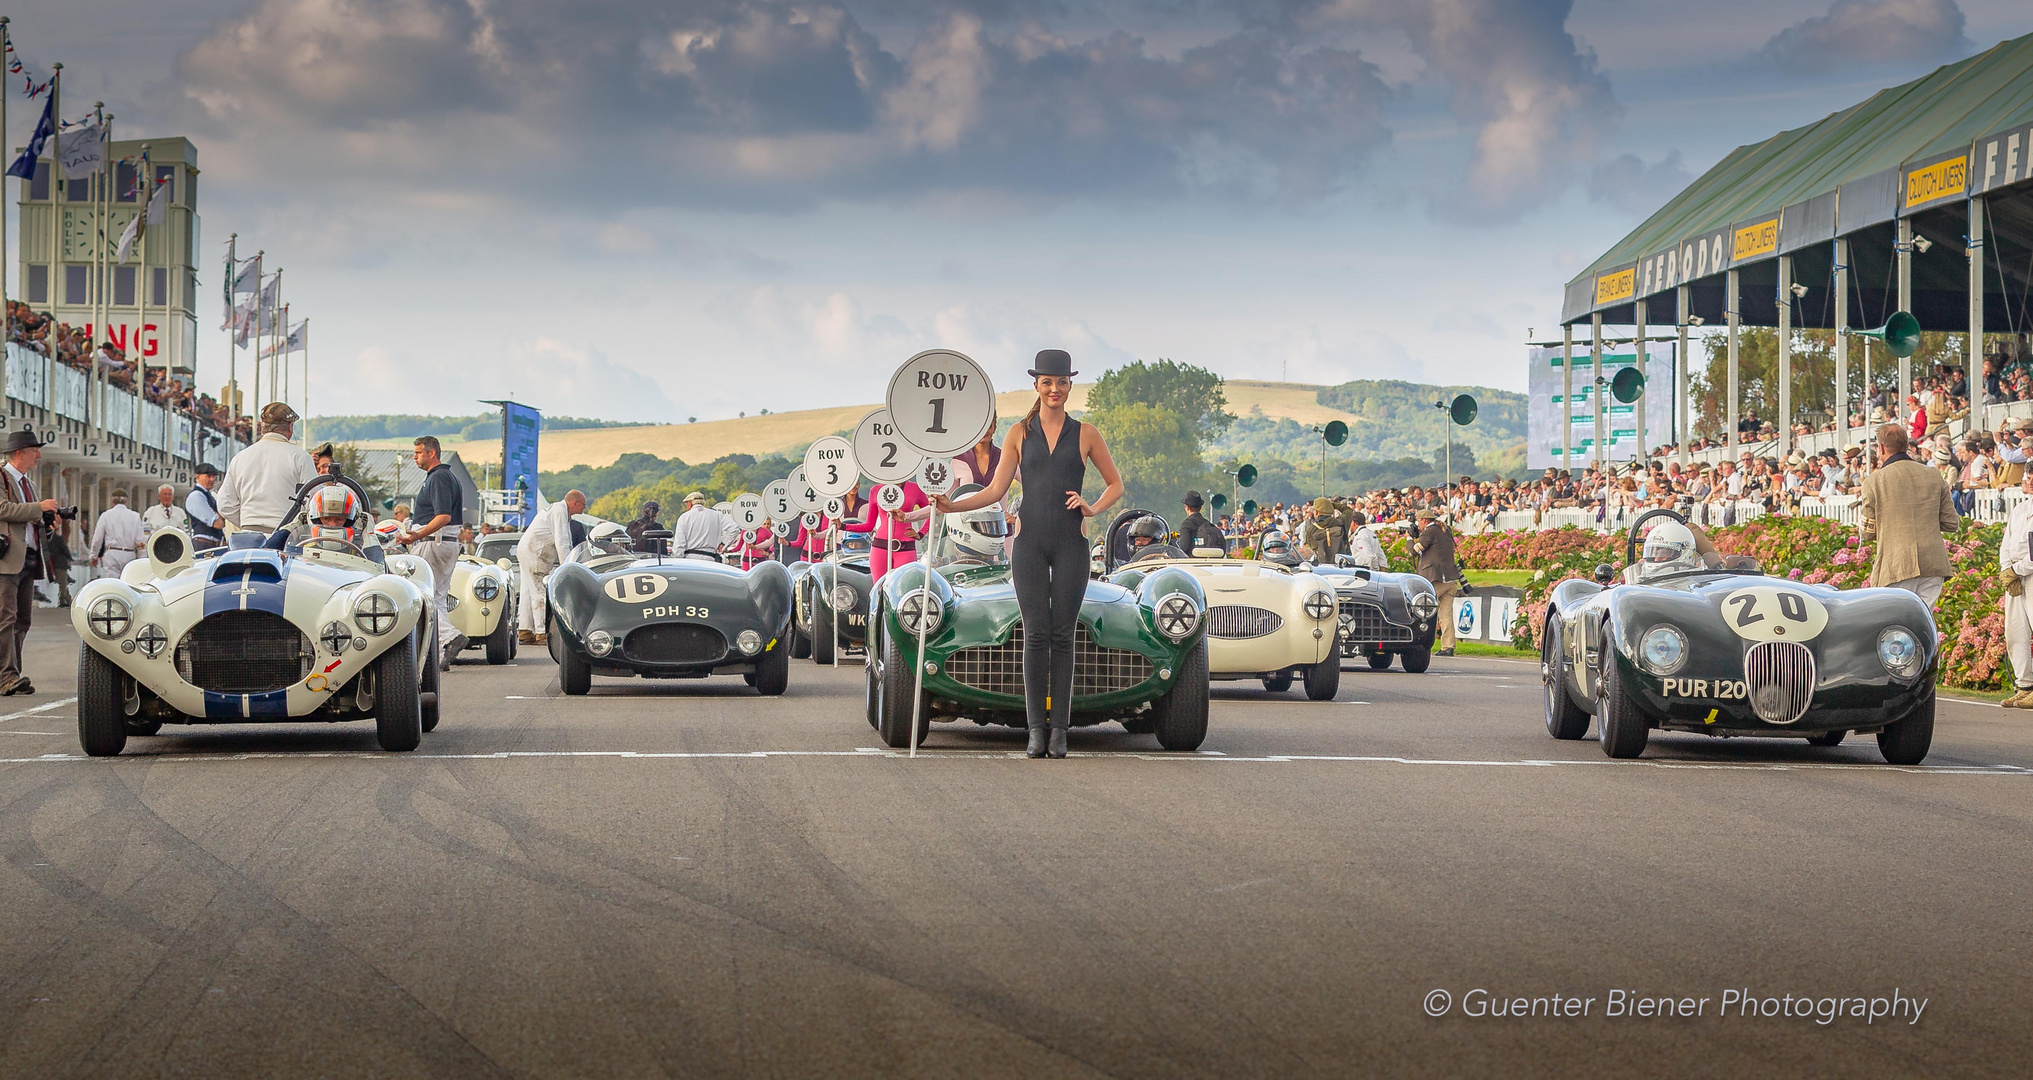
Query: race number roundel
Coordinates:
[890,497]
[941,402]
[748,512]
[883,455]
[635,588]
[830,467]
[776,502]
[935,475]
[725,506]
[1774,613]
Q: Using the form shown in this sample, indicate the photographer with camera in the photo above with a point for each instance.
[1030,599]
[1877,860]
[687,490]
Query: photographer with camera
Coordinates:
[20,554]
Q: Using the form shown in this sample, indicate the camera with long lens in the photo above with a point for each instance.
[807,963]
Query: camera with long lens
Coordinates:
[68,513]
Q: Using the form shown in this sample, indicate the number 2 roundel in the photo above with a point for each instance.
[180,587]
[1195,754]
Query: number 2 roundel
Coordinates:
[1774,613]
[634,588]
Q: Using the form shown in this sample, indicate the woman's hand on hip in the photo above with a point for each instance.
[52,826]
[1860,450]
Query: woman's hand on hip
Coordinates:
[1075,502]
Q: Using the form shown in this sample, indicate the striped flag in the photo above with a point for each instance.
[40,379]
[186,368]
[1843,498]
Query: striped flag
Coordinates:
[33,83]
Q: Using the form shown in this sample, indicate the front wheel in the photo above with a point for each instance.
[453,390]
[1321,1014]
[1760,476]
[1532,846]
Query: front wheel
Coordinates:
[1380,661]
[1903,743]
[1564,719]
[1278,684]
[772,674]
[501,643]
[398,700]
[824,641]
[1180,717]
[898,685]
[1827,738]
[1416,661]
[1619,721]
[433,664]
[1323,680]
[575,675]
[102,721]
[801,642]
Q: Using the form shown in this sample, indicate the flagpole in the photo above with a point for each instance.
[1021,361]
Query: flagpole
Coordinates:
[307,380]
[274,378]
[5,86]
[102,207]
[254,331]
[56,211]
[232,353]
[141,295]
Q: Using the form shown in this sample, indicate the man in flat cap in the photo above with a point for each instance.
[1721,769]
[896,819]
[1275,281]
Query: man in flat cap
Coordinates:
[262,479]
[21,564]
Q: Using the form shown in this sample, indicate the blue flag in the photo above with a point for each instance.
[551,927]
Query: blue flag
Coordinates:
[24,166]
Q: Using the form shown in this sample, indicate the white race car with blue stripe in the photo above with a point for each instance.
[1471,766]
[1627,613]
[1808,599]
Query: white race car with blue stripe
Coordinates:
[274,628]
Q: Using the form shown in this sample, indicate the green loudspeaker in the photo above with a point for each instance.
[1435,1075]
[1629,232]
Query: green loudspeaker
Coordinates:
[1901,334]
[1462,409]
[1626,385]
[1218,501]
[1249,508]
[1246,476]
[1335,433]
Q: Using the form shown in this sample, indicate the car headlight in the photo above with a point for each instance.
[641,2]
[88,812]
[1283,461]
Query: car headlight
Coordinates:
[1177,616]
[599,643]
[335,637]
[749,642]
[920,612]
[1663,649]
[844,598]
[1900,652]
[109,617]
[375,613]
[1424,604]
[486,589]
[151,639]
[1320,605]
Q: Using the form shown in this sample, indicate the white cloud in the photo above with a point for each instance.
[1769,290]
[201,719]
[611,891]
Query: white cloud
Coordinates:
[558,377]
[1869,31]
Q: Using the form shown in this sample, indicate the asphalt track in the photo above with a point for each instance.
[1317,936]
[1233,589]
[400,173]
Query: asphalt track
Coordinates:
[686,880]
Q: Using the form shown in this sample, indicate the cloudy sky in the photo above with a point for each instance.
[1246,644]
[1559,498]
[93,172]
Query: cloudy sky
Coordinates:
[653,209]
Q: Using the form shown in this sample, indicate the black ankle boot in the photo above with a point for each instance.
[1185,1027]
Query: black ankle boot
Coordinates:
[1058,744]
[1037,746]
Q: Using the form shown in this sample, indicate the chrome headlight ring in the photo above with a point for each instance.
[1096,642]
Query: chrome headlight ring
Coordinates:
[335,638]
[486,589]
[375,613]
[844,598]
[599,643]
[749,642]
[1663,649]
[110,616]
[151,640]
[1177,616]
[1900,652]
[920,612]
[1321,606]
[1423,604]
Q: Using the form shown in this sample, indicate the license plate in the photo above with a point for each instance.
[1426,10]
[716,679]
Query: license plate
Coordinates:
[857,620]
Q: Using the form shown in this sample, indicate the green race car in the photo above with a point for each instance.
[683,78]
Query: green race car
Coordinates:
[1140,653]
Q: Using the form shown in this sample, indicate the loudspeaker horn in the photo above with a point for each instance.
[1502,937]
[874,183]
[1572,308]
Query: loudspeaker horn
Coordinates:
[1462,409]
[1901,334]
[1626,385]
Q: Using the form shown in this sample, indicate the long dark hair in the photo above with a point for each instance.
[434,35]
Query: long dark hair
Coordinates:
[1031,418]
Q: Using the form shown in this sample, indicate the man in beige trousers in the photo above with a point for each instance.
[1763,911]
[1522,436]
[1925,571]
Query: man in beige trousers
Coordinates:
[1906,508]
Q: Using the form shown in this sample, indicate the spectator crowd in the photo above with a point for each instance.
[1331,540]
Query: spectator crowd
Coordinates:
[72,346]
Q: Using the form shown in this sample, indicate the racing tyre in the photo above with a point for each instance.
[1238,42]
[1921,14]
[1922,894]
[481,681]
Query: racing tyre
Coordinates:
[1903,743]
[1416,661]
[575,676]
[1827,738]
[801,643]
[772,673]
[1380,661]
[1179,719]
[1564,719]
[823,641]
[871,685]
[1323,680]
[1278,684]
[102,725]
[398,709]
[1620,723]
[501,643]
[893,705]
[427,681]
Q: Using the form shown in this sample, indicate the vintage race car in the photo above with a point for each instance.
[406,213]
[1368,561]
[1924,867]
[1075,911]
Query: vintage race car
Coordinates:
[481,603]
[831,602]
[1384,615]
[1265,621]
[1712,645]
[1140,651]
[277,628]
[614,611]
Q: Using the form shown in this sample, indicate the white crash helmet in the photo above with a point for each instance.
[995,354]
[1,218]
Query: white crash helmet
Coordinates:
[978,534]
[1670,549]
[333,501]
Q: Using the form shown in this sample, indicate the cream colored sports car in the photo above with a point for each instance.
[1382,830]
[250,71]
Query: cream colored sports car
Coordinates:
[481,602]
[1264,621]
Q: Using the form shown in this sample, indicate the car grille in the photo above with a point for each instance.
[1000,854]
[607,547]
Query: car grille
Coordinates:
[1238,621]
[1781,677]
[1366,622]
[244,652]
[675,643]
[999,669]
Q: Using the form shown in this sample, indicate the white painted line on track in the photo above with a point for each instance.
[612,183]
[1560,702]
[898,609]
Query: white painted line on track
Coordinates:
[43,708]
[867,753]
[33,733]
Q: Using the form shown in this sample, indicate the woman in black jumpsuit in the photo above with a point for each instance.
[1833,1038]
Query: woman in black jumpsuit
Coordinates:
[1049,452]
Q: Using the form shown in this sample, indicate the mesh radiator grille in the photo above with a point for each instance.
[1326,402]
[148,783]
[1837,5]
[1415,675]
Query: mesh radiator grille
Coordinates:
[1365,622]
[999,669]
[1239,621]
[244,652]
[675,643]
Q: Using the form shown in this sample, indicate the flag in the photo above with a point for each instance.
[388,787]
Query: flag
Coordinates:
[293,343]
[84,148]
[247,279]
[268,292]
[33,83]
[127,238]
[24,166]
[153,216]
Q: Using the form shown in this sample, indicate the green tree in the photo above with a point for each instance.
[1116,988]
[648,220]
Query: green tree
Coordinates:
[1193,393]
[1157,453]
[1813,375]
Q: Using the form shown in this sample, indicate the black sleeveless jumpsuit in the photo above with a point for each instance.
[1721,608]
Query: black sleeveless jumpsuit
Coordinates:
[1049,569]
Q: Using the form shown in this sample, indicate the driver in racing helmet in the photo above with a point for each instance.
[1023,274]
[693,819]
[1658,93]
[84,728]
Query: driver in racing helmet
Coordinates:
[1277,548]
[333,509]
[975,535]
[1673,548]
[1147,541]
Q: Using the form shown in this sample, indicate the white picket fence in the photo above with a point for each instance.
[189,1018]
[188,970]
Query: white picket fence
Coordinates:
[1988,507]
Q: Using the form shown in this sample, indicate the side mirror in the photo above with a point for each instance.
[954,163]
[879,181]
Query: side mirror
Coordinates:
[1344,560]
[1605,573]
[504,564]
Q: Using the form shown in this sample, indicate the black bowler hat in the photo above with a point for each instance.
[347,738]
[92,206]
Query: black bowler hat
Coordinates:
[1193,501]
[1053,362]
[20,439]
